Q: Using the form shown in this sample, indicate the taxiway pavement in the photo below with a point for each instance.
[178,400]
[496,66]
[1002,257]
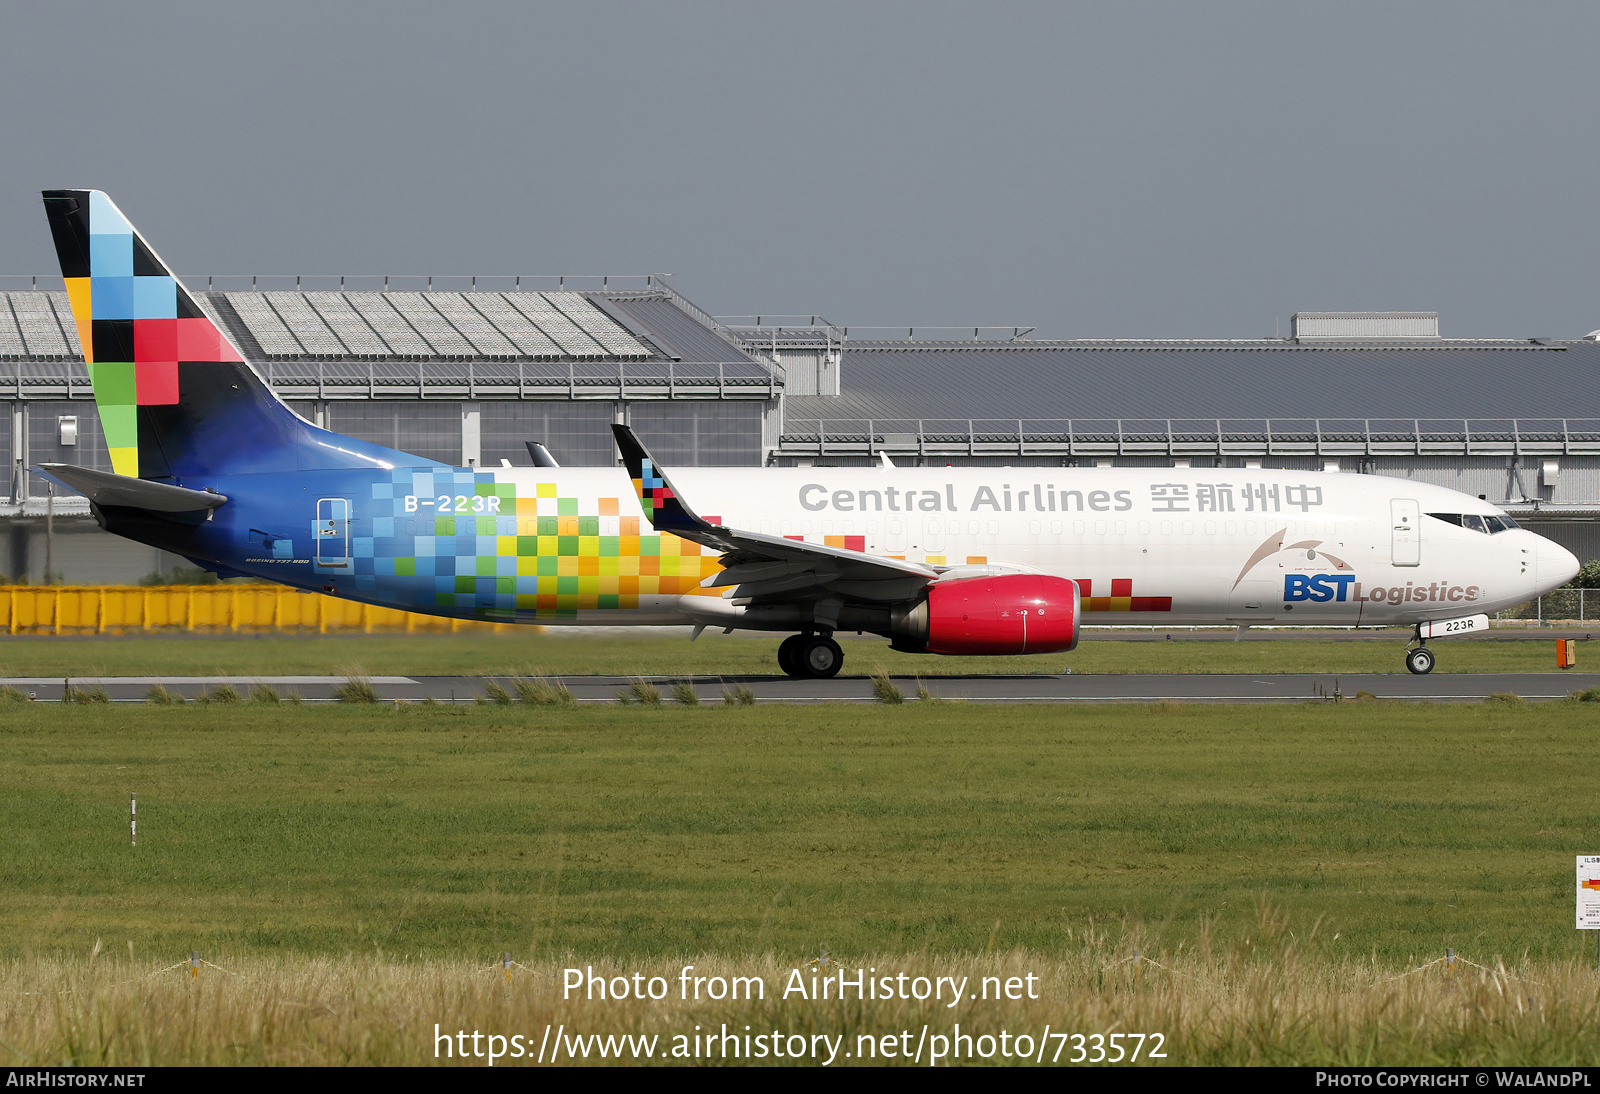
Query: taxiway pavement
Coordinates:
[1071,688]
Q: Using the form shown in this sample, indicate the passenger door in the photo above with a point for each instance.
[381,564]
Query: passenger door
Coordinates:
[331,530]
[1405,536]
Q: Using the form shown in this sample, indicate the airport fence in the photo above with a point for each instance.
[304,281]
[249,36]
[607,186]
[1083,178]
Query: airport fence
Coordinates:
[1559,606]
[211,609]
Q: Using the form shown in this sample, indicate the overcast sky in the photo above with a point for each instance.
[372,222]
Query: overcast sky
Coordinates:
[1115,169]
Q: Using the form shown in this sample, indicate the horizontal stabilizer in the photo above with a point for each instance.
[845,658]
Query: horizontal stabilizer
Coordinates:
[104,488]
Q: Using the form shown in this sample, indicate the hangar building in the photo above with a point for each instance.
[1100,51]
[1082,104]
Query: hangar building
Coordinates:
[467,370]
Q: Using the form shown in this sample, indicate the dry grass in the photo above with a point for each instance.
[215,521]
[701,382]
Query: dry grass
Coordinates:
[1253,1001]
[265,693]
[221,693]
[356,687]
[543,693]
[640,691]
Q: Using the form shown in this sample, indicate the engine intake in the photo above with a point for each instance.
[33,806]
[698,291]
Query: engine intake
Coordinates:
[1014,613]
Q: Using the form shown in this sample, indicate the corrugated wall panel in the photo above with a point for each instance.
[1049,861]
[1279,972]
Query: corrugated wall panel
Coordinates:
[700,434]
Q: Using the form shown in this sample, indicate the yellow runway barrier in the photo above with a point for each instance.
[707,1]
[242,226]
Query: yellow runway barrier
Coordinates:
[212,609]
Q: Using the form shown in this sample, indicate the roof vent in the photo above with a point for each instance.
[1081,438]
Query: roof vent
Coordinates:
[1344,326]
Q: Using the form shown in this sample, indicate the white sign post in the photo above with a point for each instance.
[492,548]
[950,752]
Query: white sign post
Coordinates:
[1589,895]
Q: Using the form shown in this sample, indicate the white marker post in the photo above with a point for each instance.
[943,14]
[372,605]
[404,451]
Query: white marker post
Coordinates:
[133,820]
[1589,895]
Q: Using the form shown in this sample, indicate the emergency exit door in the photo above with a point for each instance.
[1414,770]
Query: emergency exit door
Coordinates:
[1405,537]
[332,533]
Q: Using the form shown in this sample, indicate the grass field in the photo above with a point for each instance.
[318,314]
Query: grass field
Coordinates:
[360,867]
[449,832]
[716,655]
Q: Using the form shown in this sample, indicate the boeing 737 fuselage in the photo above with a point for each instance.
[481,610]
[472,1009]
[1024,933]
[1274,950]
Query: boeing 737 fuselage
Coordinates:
[210,464]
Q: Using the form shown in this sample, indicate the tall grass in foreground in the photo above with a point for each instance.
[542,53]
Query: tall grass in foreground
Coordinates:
[1240,1004]
[543,693]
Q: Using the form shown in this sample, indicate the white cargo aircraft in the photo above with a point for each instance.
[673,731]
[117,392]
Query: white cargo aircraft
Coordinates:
[210,464]
[1015,560]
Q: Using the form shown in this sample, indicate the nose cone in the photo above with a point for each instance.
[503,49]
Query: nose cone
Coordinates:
[1556,564]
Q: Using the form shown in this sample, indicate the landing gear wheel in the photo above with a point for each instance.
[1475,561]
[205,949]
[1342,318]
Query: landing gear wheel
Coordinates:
[789,655]
[1419,660]
[819,657]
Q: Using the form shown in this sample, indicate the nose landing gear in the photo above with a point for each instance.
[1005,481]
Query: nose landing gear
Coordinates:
[1419,660]
[810,656]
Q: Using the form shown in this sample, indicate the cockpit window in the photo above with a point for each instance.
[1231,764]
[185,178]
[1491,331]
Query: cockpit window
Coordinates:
[1475,523]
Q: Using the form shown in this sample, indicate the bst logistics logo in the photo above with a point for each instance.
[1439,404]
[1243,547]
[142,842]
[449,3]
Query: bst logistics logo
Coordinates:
[1319,588]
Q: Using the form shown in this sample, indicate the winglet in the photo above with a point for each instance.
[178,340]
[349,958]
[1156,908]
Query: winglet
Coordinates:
[663,507]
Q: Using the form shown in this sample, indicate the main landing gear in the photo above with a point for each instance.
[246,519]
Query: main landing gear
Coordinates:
[810,656]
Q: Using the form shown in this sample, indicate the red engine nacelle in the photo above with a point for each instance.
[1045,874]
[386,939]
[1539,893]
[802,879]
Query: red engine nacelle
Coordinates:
[1015,613]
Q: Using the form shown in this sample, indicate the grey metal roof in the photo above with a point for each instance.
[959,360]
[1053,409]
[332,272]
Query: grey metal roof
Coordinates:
[366,345]
[1246,379]
[672,329]
[529,325]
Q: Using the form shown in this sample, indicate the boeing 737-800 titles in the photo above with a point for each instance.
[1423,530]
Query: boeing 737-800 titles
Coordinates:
[209,464]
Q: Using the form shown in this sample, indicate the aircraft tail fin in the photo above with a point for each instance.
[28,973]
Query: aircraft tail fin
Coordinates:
[174,393]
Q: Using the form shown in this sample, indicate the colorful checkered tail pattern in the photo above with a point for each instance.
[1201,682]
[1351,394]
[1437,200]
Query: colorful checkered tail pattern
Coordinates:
[663,507]
[174,395]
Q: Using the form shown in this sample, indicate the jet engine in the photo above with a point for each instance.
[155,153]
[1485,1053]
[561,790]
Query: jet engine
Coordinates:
[1013,613]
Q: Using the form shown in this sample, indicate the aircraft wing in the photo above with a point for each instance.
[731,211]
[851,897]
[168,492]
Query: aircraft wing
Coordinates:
[757,565]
